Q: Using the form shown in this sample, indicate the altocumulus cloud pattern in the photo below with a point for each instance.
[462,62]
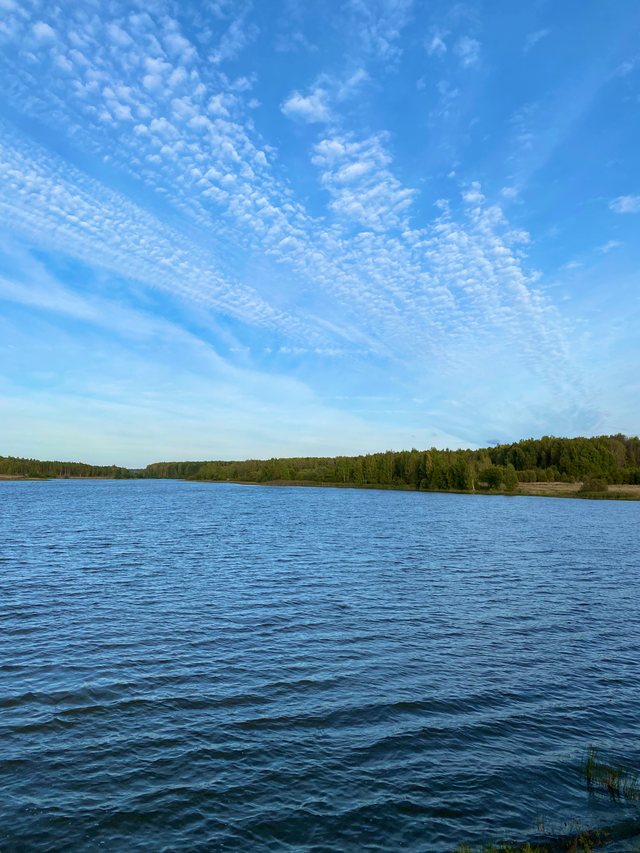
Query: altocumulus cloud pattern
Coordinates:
[235,229]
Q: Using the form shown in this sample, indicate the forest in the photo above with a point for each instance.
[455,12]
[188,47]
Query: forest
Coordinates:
[613,459]
[606,459]
[12,466]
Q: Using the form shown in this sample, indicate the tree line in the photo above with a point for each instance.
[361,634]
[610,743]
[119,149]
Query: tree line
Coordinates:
[614,459]
[14,466]
[610,459]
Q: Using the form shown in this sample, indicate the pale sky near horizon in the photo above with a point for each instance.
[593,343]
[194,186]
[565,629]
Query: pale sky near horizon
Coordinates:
[233,229]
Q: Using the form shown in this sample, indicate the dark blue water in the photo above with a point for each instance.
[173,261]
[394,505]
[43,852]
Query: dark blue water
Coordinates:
[198,667]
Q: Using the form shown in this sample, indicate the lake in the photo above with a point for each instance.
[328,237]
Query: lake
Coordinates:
[200,667]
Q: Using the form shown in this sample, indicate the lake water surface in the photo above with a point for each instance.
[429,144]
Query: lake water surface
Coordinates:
[198,667]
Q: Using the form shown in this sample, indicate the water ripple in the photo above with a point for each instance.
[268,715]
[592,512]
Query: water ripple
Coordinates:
[196,667]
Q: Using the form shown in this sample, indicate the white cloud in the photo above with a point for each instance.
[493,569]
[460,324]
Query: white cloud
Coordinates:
[43,31]
[177,77]
[242,84]
[100,227]
[517,235]
[468,50]
[218,104]
[351,85]
[533,38]
[612,244]
[377,25]
[626,204]
[293,41]
[195,402]
[435,44]
[119,36]
[152,82]
[446,101]
[64,64]
[363,189]
[122,112]
[628,66]
[235,40]
[312,108]
[440,295]
[179,47]
[397,294]
[509,192]
[163,127]
[327,89]
[473,195]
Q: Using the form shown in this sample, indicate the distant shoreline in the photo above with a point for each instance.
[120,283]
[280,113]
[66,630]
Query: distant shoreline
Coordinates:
[597,468]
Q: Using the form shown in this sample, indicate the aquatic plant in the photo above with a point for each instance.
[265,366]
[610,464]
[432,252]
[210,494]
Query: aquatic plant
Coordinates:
[505,848]
[580,841]
[603,775]
[600,775]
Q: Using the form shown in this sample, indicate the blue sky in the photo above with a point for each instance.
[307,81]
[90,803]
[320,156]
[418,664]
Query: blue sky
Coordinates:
[232,229]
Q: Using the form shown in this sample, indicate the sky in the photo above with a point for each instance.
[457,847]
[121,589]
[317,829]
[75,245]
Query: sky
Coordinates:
[233,229]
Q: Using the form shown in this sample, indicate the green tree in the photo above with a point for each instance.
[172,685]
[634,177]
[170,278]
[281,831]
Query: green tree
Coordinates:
[491,476]
[386,467]
[462,475]
[370,469]
[510,478]
[343,469]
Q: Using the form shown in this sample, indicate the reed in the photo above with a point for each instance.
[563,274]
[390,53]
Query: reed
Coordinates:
[616,780]
[603,776]
[582,841]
